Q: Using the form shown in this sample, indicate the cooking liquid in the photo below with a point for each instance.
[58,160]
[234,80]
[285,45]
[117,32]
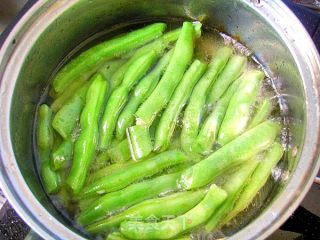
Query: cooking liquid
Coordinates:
[211,40]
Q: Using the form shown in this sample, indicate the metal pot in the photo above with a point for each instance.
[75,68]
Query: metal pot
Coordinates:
[50,29]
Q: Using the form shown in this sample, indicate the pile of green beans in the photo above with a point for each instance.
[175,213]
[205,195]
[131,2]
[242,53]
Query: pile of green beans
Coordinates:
[137,131]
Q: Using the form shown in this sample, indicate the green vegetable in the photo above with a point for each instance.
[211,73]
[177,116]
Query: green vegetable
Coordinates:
[75,90]
[107,170]
[170,116]
[173,227]
[238,113]
[233,187]
[209,130]
[84,148]
[134,172]
[120,95]
[140,93]
[230,73]
[169,206]
[128,196]
[262,113]
[234,153]
[116,236]
[120,152]
[193,113]
[62,155]
[50,179]
[257,180]
[66,118]
[81,67]
[139,141]
[179,62]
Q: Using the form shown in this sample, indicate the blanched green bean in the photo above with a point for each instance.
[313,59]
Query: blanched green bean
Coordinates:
[110,68]
[134,172]
[88,62]
[172,205]
[85,145]
[193,113]
[230,73]
[116,236]
[66,118]
[173,227]
[75,90]
[140,93]
[120,152]
[238,113]
[161,95]
[233,187]
[62,155]
[234,153]
[139,141]
[262,113]
[209,130]
[119,97]
[257,180]
[51,179]
[129,196]
[166,126]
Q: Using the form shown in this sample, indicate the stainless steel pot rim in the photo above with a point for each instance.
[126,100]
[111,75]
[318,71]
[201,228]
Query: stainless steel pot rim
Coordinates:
[15,188]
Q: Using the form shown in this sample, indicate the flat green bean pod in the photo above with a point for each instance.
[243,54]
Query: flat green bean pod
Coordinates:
[262,113]
[166,126]
[89,61]
[209,130]
[230,73]
[171,205]
[173,227]
[193,113]
[143,90]
[257,180]
[134,172]
[128,196]
[139,141]
[85,145]
[234,153]
[119,97]
[179,62]
[238,113]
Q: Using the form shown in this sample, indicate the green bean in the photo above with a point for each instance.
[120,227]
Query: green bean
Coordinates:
[173,227]
[179,62]
[51,180]
[85,145]
[75,90]
[107,170]
[193,112]
[110,68]
[238,113]
[170,116]
[134,172]
[159,46]
[233,187]
[261,114]
[128,196]
[116,236]
[209,130]
[172,205]
[119,97]
[230,73]
[140,93]
[66,118]
[234,153]
[85,203]
[87,63]
[62,155]
[257,180]
[139,141]
[120,152]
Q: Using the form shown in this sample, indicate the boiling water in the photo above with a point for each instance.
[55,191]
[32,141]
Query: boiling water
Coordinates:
[206,47]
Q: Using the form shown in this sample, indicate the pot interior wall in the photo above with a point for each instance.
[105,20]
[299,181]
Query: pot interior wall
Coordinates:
[86,18]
